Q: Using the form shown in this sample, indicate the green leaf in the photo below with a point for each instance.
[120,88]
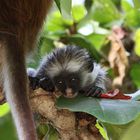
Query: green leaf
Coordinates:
[132,133]
[97,40]
[102,130]
[58,4]
[132,18]
[78,12]
[46,45]
[109,111]
[104,11]
[128,131]
[81,41]
[134,73]
[4,109]
[115,132]
[136,3]
[56,22]
[7,129]
[137,42]
[66,8]
[126,5]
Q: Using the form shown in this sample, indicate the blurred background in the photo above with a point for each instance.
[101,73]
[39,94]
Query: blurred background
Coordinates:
[108,29]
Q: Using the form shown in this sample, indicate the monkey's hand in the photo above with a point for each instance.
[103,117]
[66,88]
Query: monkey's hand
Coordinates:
[46,84]
[33,80]
[92,91]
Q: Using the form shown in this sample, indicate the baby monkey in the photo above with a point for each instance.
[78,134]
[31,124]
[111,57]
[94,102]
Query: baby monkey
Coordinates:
[71,71]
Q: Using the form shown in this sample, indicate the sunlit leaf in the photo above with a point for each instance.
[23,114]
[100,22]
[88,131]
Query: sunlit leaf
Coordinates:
[132,18]
[4,109]
[102,131]
[137,42]
[78,12]
[97,40]
[126,5]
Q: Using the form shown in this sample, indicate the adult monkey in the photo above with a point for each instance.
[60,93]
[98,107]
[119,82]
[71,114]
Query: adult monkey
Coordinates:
[20,23]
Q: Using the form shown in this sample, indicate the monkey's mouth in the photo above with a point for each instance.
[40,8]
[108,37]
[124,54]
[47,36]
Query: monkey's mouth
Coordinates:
[70,94]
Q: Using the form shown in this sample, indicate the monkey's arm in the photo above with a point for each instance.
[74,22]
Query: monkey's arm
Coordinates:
[98,84]
[36,81]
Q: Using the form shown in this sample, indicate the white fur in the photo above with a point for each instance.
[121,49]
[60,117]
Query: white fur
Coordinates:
[97,76]
[71,66]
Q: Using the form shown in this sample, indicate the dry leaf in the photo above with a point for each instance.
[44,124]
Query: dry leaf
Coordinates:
[117,58]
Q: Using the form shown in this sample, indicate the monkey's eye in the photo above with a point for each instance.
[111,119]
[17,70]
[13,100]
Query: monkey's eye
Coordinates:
[73,79]
[60,82]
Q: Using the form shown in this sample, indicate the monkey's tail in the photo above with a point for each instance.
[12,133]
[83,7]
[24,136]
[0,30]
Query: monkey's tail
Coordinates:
[15,86]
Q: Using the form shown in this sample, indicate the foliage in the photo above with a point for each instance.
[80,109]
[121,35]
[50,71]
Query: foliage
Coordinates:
[88,25]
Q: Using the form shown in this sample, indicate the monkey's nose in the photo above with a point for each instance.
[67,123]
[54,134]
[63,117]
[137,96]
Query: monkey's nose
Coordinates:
[69,92]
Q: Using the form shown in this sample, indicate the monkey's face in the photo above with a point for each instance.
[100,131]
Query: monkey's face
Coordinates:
[68,84]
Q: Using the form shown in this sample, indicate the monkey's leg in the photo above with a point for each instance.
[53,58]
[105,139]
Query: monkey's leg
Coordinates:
[15,85]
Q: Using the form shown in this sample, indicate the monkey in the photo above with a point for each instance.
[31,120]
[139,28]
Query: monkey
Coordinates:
[20,24]
[69,70]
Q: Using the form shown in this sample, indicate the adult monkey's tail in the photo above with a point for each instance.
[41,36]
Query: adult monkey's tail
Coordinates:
[20,22]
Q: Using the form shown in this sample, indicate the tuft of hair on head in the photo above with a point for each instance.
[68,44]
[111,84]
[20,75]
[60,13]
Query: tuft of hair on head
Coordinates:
[68,58]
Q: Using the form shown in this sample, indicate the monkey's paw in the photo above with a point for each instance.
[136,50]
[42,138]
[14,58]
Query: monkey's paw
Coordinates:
[46,84]
[93,91]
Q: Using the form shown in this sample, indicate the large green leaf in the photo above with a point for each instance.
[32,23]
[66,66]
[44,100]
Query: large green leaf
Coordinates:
[109,111]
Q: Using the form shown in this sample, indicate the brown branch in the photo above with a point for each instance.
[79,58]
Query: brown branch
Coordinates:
[69,125]
[64,121]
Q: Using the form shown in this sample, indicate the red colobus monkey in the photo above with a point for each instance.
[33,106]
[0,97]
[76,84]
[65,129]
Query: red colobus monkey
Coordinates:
[20,23]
